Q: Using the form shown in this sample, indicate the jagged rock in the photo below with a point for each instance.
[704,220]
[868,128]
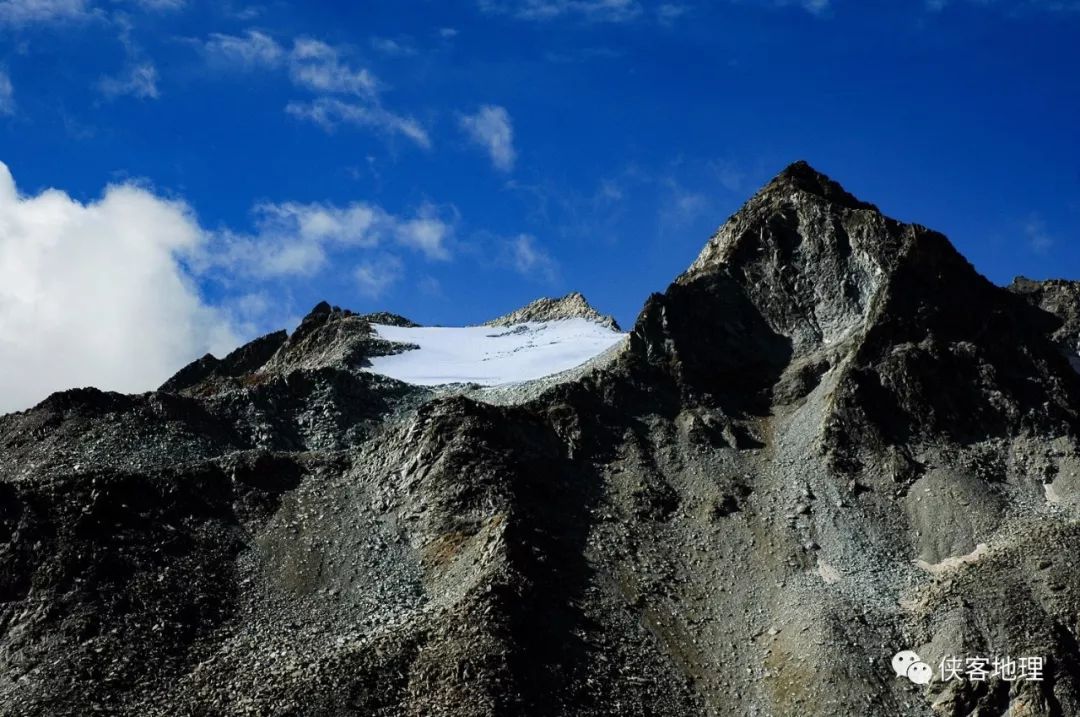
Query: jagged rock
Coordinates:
[571,306]
[1062,299]
[327,338]
[828,440]
[245,360]
[389,319]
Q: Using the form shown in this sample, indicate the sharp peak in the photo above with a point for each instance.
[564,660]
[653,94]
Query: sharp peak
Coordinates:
[573,298]
[785,213]
[802,177]
[323,308]
[571,305]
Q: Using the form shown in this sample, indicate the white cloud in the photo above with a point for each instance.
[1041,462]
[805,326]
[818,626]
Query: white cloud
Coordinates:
[104,293]
[426,233]
[351,225]
[139,81]
[343,93]
[526,257]
[312,64]
[618,11]
[7,95]
[294,239]
[375,276]
[492,129]
[330,112]
[96,294]
[593,10]
[393,47]
[30,12]
[318,66]
[1010,6]
[161,5]
[668,12]
[251,50]
[26,12]
[814,7]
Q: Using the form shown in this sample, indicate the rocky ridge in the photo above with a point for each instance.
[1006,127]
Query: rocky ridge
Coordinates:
[572,306]
[828,440]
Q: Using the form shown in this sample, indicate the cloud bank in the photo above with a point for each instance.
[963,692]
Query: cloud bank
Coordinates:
[107,293]
[293,239]
[96,294]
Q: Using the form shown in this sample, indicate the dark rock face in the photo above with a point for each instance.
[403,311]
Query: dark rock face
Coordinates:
[1062,299]
[827,441]
[245,360]
[385,317]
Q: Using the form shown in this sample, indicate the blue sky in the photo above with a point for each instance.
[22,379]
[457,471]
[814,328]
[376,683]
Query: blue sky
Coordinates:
[452,160]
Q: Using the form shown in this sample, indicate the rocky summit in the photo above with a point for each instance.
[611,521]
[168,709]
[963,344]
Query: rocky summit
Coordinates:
[572,306]
[828,441]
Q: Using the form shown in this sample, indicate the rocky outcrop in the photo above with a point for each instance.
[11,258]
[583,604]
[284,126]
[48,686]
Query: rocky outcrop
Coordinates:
[1062,299]
[830,439]
[571,306]
[389,319]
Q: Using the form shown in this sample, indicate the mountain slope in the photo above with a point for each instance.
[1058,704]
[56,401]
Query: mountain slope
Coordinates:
[828,440]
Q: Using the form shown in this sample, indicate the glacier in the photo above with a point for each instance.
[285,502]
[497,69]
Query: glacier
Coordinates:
[491,355]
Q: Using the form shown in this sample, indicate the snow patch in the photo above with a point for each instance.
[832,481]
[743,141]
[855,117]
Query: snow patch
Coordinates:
[491,356]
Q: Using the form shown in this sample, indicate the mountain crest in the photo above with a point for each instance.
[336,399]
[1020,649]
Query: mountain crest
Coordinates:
[802,201]
[572,306]
[806,284]
[804,178]
[328,337]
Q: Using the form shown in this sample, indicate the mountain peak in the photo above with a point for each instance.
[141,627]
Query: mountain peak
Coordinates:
[572,306]
[802,177]
[322,307]
[800,203]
